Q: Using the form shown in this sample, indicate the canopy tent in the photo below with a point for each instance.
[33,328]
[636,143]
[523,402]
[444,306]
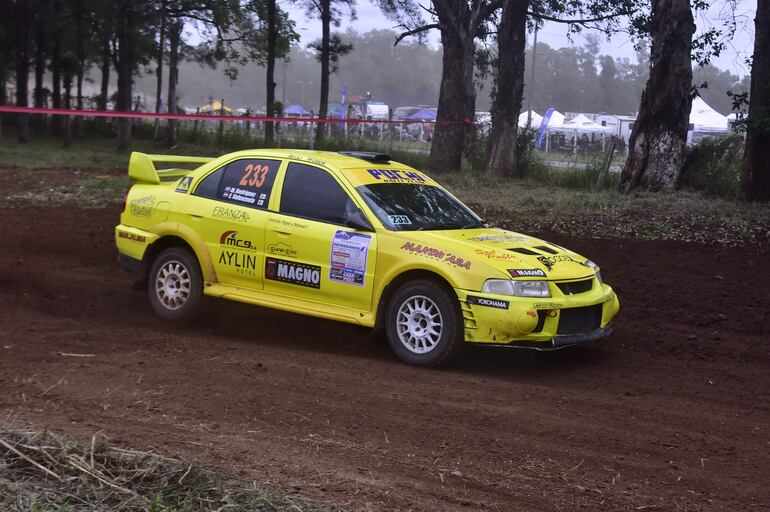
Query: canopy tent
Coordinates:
[424,114]
[581,124]
[706,119]
[556,119]
[534,121]
[215,107]
[296,111]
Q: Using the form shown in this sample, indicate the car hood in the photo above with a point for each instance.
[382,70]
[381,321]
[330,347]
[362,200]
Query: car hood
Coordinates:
[514,254]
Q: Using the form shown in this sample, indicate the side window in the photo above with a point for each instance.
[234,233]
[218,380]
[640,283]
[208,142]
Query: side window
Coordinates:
[314,194]
[209,186]
[247,182]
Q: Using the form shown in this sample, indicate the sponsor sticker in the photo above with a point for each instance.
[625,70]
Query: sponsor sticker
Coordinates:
[141,206]
[292,272]
[526,272]
[492,254]
[435,253]
[498,239]
[398,220]
[547,305]
[347,263]
[397,176]
[241,263]
[234,214]
[184,185]
[282,249]
[490,303]
[231,239]
[550,261]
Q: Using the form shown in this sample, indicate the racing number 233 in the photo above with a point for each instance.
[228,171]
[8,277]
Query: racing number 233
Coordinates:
[254,176]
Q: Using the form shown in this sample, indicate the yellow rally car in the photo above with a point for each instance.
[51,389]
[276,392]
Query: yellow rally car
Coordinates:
[353,237]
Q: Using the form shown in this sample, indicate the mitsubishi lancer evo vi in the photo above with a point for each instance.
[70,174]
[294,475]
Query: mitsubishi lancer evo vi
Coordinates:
[353,237]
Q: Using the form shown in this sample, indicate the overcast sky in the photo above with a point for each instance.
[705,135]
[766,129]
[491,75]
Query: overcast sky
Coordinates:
[555,35]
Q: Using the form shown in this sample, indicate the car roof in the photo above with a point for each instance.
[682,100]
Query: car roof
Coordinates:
[330,159]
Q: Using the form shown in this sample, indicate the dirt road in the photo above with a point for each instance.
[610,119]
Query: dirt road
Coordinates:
[670,413]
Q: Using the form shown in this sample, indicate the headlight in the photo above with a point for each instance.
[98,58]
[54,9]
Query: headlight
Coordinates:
[517,288]
[593,266]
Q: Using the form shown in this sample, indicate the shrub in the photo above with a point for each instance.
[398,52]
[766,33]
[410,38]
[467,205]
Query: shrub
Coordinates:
[714,167]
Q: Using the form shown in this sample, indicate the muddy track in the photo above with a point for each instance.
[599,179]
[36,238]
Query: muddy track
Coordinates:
[671,413]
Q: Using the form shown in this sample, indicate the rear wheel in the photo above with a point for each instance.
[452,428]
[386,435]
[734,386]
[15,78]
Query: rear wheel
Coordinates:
[424,324]
[175,284]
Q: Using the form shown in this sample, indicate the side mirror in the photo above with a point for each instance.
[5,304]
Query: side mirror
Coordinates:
[356,220]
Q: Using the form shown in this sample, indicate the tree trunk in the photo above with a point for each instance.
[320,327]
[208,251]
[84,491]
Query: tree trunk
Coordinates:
[56,121]
[272,37]
[511,37]
[457,96]
[174,35]
[159,67]
[67,120]
[657,145]
[2,98]
[81,59]
[755,175]
[104,91]
[22,43]
[125,69]
[323,108]
[38,93]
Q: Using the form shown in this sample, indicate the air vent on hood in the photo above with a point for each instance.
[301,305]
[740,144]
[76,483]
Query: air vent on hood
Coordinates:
[522,250]
[547,249]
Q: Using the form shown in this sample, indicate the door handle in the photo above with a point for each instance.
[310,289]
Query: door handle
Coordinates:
[282,230]
[195,215]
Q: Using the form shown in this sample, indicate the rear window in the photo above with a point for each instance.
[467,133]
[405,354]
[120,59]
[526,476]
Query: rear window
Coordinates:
[247,182]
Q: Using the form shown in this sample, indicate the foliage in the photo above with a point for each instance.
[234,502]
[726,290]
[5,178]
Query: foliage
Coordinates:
[714,166]
[337,48]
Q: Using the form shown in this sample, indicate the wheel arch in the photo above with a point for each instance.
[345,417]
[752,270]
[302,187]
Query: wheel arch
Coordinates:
[401,279]
[160,245]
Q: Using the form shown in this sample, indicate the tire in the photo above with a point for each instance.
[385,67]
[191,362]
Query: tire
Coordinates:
[424,324]
[175,285]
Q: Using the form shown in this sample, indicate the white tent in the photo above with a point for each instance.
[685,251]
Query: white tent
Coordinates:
[581,124]
[556,119]
[534,122]
[706,119]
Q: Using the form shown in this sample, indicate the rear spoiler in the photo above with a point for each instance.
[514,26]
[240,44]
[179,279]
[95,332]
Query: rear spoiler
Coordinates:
[141,166]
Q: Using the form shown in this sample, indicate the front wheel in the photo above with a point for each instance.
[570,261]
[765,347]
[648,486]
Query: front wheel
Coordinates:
[175,285]
[424,324]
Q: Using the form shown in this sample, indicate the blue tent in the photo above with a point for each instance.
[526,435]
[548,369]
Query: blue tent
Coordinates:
[295,110]
[424,114]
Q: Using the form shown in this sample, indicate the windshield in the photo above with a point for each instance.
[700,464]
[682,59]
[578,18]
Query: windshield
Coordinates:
[410,207]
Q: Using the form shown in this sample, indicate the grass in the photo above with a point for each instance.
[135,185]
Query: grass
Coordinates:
[549,200]
[40,471]
[530,206]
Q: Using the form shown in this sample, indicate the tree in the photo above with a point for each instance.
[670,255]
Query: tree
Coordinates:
[272,39]
[174,39]
[328,49]
[658,140]
[22,45]
[460,23]
[511,32]
[755,174]
[328,54]
[159,64]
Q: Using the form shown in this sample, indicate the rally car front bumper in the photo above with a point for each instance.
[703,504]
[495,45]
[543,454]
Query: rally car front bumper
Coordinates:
[578,311]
